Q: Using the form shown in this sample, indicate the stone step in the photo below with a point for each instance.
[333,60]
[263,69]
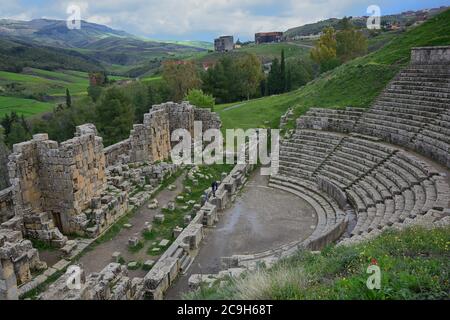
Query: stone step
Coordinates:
[415,98]
[404,104]
[338,180]
[345,164]
[360,164]
[403,114]
[395,133]
[437,140]
[413,86]
[335,171]
[428,84]
[419,76]
[419,93]
[398,180]
[382,189]
[400,108]
[371,191]
[387,117]
[387,182]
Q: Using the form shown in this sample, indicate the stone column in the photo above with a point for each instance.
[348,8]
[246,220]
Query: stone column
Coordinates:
[8,281]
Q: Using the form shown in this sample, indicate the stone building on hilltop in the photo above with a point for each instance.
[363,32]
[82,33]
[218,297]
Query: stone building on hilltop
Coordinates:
[224,44]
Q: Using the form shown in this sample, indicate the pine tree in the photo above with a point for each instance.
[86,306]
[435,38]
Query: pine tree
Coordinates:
[68,99]
[289,81]
[283,84]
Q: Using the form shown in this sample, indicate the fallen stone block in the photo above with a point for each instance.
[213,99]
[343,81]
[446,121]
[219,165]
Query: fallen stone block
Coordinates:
[159,218]
[133,241]
[116,256]
[70,246]
[164,243]
[177,231]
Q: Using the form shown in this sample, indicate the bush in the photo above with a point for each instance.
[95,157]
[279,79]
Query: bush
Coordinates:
[199,99]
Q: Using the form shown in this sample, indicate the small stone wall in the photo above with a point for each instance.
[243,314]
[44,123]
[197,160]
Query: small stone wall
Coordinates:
[210,120]
[58,179]
[430,55]
[118,153]
[337,120]
[112,283]
[180,116]
[151,140]
[18,259]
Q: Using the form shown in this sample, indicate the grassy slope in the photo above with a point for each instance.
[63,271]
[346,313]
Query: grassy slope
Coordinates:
[52,83]
[356,83]
[27,107]
[414,264]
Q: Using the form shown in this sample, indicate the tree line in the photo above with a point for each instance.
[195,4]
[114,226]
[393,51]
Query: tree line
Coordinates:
[115,108]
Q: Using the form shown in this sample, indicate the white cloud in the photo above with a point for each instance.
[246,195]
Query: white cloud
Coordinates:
[99,19]
[187,18]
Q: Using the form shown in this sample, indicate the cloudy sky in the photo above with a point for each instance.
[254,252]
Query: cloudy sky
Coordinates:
[204,19]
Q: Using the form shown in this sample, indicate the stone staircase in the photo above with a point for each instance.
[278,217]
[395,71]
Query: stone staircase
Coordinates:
[413,111]
[385,185]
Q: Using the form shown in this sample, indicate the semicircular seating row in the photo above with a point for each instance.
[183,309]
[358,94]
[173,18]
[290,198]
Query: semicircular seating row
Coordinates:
[385,185]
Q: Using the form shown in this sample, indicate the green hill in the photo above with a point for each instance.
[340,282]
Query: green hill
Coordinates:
[49,44]
[403,19]
[35,91]
[16,54]
[356,83]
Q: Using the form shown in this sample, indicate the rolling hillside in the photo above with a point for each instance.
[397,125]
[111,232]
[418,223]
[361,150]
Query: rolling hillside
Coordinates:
[93,47]
[402,18]
[16,54]
[356,83]
[20,92]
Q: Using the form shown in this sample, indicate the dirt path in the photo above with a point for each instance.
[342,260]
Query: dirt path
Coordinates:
[262,218]
[101,255]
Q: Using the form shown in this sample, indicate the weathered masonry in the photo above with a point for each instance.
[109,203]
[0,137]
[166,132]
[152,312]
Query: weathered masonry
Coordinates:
[79,187]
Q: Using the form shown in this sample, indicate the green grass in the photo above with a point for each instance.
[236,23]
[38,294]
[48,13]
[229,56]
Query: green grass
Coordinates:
[356,83]
[414,263]
[33,82]
[52,83]
[26,107]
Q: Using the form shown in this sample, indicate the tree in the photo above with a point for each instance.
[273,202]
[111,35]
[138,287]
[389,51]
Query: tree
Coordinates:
[250,74]
[114,116]
[181,77]
[95,92]
[4,152]
[275,78]
[351,44]
[68,99]
[289,81]
[18,134]
[325,51]
[283,71]
[300,72]
[199,99]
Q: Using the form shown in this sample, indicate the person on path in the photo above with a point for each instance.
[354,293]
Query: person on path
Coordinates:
[214,187]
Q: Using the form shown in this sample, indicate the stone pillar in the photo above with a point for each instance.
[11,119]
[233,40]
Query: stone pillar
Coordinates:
[8,281]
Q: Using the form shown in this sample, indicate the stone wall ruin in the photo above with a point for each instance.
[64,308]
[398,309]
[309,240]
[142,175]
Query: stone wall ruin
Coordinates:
[80,187]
